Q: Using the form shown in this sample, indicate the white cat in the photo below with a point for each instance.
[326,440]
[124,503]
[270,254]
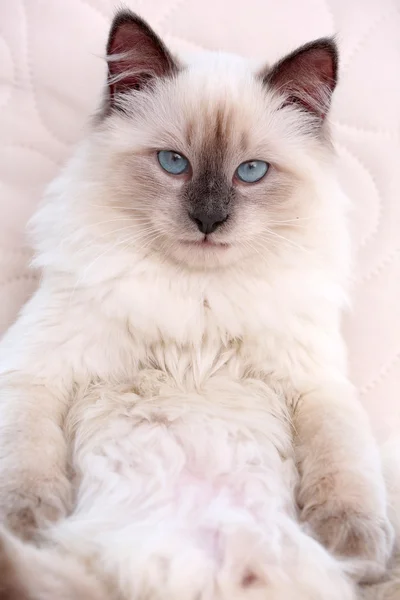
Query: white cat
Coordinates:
[195,258]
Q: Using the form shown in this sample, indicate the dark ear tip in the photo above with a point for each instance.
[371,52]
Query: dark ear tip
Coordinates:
[329,45]
[123,16]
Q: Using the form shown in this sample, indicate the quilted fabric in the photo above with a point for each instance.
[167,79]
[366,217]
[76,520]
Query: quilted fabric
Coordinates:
[51,73]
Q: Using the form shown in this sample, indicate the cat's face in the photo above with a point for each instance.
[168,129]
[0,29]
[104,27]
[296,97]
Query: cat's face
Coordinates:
[210,159]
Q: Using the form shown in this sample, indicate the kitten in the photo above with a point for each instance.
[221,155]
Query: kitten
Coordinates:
[195,257]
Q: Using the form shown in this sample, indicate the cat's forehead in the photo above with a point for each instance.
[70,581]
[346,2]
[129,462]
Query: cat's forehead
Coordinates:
[217,107]
[216,127]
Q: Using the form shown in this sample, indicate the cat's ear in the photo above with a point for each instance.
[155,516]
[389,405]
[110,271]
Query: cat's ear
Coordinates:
[135,55]
[307,77]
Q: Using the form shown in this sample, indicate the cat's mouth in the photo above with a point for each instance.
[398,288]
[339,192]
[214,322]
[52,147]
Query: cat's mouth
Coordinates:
[206,242]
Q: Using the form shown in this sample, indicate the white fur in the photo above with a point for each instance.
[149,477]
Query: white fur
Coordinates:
[172,387]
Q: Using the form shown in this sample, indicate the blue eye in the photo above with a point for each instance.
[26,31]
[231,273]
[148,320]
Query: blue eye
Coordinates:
[172,162]
[252,170]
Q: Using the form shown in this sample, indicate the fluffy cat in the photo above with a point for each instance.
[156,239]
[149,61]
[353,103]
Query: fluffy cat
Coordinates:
[195,259]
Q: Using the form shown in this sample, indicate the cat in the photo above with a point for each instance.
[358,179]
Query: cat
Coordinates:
[180,374]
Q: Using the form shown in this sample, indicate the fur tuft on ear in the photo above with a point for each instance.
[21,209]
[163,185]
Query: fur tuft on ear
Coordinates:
[135,55]
[307,77]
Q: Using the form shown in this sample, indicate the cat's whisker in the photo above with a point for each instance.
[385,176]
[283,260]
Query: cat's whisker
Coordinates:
[111,233]
[125,207]
[148,243]
[290,243]
[292,225]
[247,244]
[260,247]
[295,220]
[132,219]
[90,226]
[132,241]
[102,236]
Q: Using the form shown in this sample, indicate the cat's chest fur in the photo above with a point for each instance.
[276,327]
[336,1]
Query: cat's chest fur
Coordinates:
[195,327]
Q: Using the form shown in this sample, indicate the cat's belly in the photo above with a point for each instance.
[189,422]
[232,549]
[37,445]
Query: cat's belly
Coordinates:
[188,458]
[189,495]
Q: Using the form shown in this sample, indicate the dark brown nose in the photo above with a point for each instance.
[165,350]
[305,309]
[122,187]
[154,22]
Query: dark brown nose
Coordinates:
[208,222]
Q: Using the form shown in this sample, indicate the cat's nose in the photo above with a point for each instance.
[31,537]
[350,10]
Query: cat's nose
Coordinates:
[208,222]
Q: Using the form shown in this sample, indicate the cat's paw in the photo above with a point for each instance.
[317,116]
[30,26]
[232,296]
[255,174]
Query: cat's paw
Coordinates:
[30,503]
[356,535]
[350,527]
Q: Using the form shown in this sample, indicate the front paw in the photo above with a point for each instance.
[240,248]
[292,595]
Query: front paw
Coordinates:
[347,520]
[30,502]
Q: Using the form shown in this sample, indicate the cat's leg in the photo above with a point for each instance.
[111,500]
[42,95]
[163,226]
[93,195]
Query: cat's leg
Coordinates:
[34,487]
[28,573]
[41,358]
[342,492]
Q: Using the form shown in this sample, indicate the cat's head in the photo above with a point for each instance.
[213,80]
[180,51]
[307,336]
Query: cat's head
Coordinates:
[210,159]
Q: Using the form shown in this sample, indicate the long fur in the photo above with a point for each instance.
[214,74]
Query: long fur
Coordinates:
[170,378]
